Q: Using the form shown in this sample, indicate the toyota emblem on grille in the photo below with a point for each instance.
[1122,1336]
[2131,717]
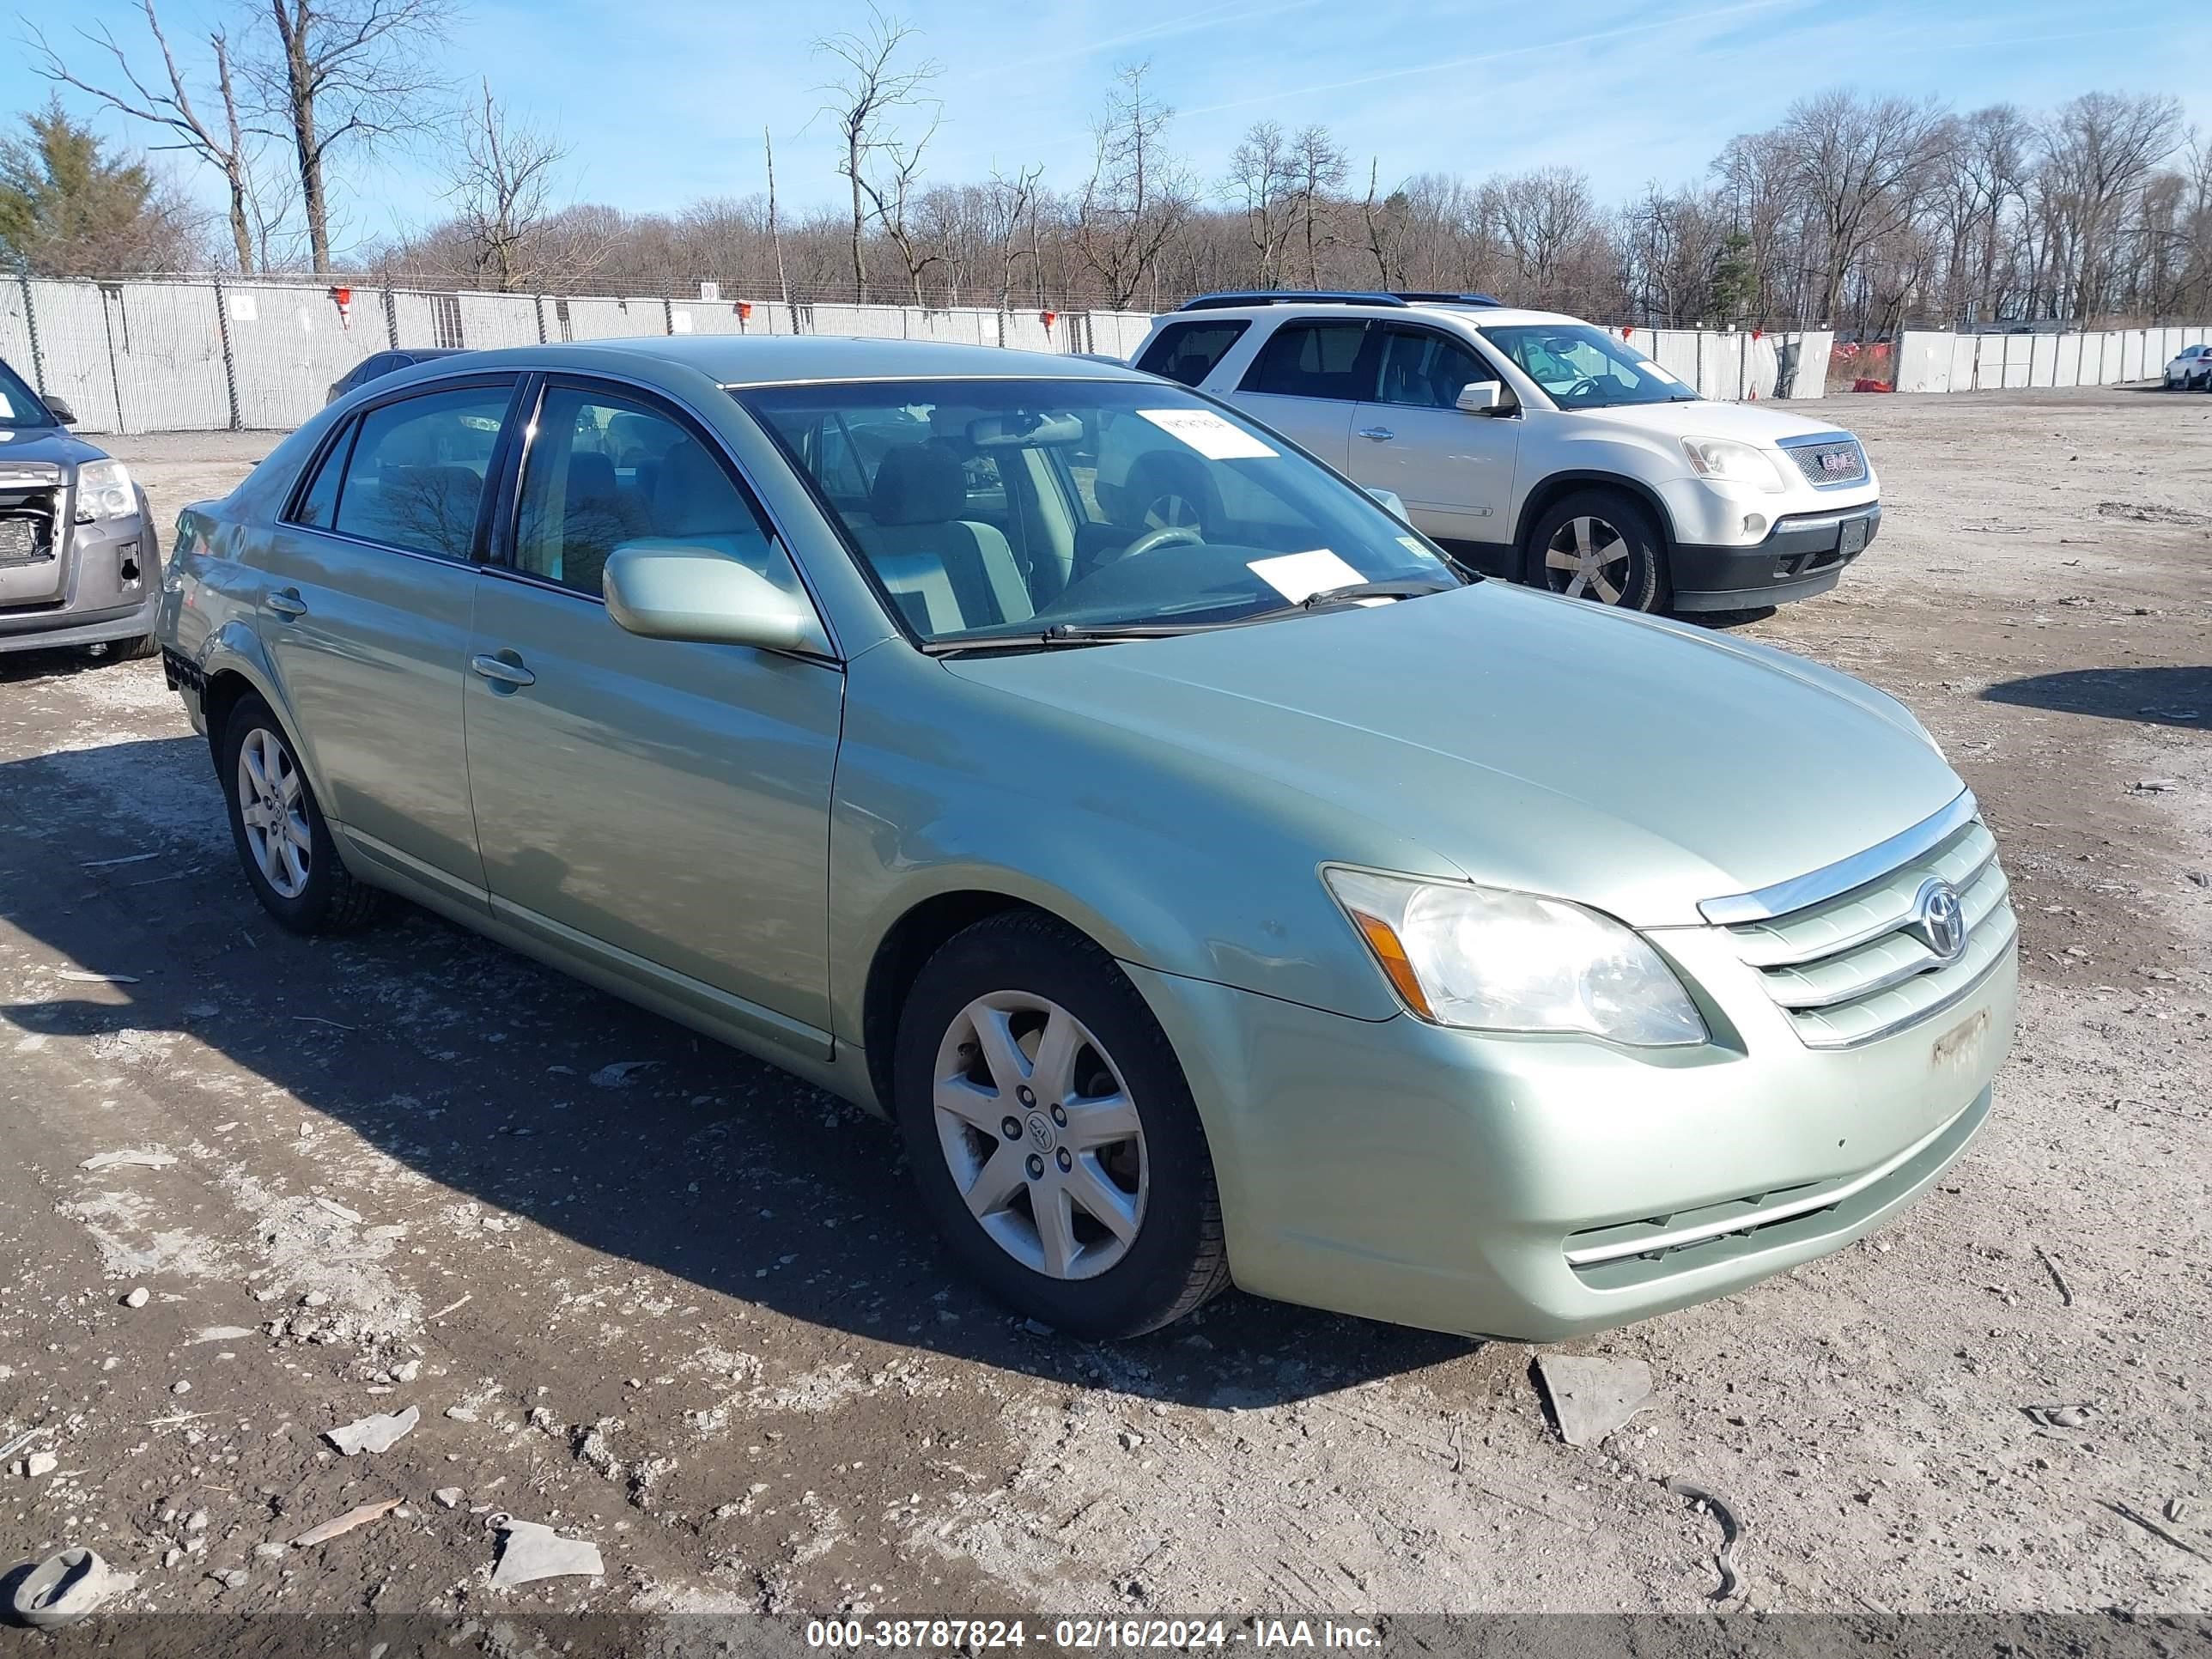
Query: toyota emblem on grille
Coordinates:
[1938,922]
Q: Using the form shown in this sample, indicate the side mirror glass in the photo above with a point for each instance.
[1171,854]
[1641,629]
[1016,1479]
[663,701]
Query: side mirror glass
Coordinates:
[60,409]
[669,591]
[1481,397]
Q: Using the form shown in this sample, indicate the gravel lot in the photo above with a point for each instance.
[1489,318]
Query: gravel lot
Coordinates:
[688,1311]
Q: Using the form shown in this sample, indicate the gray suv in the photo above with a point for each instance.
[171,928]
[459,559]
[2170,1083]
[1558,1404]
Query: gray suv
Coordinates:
[79,561]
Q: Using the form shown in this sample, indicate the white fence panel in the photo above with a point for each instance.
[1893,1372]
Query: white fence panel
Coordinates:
[169,358]
[72,321]
[16,333]
[1923,361]
[491,320]
[290,343]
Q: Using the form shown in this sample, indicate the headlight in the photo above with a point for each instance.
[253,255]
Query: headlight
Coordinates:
[103,491]
[1731,462]
[1490,960]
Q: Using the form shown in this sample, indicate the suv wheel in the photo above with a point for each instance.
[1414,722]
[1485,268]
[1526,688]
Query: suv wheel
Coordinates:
[291,861]
[1599,545]
[1052,1132]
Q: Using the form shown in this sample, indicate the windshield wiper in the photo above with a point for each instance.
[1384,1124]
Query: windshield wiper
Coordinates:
[1107,634]
[1064,634]
[1404,587]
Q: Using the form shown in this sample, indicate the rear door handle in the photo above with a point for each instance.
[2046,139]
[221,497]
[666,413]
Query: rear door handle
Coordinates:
[500,669]
[287,602]
[1381,434]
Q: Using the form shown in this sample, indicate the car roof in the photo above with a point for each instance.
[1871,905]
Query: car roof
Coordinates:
[784,359]
[1475,316]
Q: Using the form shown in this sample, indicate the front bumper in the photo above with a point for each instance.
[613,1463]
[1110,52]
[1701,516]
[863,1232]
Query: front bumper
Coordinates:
[103,585]
[1803,554]
[1482,1184]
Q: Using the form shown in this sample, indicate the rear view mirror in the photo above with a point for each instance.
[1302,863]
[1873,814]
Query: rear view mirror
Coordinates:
[668,592]
[1481,397]
[60,409]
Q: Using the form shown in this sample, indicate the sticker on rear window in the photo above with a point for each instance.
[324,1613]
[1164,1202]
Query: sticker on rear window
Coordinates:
[1299,576]
[1209,434]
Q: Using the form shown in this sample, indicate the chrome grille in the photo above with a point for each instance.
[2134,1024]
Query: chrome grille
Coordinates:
[1851,969]
[1826,462]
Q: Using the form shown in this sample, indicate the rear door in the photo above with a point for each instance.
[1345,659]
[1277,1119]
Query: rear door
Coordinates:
[370,575]
[1305,381]
[658,806]
[1453,470]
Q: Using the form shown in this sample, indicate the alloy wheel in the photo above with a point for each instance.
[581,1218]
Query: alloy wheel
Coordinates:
[1041,1135]
[272,807]
[1589,557]
[1169,510]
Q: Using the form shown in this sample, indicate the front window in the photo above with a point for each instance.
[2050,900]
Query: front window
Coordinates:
[18,408]
[1012,509]
[1583,367]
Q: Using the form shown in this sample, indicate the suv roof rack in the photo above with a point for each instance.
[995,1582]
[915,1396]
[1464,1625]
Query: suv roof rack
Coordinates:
[1287,296]
[1422,297]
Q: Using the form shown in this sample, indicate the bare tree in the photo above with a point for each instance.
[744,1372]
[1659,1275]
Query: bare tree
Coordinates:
[502,182]
[219,141]
[1385,222]
[1263,184]
[1546,217]
[1318,165]
[345,74]
[865,103]
[776,231]
[1139,194]
[1864,168]
[2102,146]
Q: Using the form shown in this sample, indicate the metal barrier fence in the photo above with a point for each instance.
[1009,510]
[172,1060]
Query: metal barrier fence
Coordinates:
[209,356]
[1930,361]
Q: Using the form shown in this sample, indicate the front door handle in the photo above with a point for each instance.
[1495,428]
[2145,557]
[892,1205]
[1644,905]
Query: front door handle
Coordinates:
[1381,434]
[287,602]
[502,672]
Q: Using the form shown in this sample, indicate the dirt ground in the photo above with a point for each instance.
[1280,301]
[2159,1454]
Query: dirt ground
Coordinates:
[688,1311]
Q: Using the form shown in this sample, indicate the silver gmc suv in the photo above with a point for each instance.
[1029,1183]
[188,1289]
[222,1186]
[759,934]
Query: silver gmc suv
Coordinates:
[79,561]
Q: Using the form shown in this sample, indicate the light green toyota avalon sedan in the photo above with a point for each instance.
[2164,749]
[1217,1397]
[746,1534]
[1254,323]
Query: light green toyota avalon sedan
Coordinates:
[1211,881]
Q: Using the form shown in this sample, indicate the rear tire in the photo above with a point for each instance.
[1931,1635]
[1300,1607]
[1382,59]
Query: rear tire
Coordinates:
[283,842]
[1599,545]
[1106,1155]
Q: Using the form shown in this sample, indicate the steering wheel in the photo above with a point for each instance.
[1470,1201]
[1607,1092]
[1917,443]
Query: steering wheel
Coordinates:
[1580,388]
[1166,535]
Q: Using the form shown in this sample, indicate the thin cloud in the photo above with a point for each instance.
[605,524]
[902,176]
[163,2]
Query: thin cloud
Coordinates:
[1492,56]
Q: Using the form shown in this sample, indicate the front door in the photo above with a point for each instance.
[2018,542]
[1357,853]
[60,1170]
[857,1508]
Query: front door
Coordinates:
[660,806]
[365,614]
[1453,470]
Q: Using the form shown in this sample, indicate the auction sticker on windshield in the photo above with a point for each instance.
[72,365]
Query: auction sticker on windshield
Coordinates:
[1299,576]
[1208,433]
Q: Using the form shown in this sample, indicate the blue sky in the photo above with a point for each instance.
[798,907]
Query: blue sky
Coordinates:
[663,100]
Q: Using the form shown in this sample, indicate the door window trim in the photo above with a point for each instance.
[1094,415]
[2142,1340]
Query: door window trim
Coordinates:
[1369,350]
[499,556]
[348,432]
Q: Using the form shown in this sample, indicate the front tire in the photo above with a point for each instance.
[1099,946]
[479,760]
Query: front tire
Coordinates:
[1052,1132]
[1601,544]
[290,859]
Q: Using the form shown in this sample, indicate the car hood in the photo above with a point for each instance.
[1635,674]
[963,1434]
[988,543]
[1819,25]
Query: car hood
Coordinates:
[1546,745]
[40,446]
[1750,423]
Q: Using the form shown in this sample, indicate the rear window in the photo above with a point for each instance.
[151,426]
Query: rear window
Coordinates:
[1310,360]
[417,474]
[1188,352]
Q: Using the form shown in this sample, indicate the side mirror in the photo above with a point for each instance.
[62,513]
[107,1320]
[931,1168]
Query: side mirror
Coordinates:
[670,591]
[1391,503]
[60,409]
[1481,397]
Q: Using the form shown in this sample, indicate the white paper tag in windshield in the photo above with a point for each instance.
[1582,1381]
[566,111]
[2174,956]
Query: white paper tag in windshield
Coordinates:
[1299,576]
[1209,434]
[1656,372]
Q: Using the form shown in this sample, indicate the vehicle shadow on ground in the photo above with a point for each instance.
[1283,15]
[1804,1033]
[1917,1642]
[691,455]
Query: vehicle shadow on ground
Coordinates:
[2161,697]
[492,1076]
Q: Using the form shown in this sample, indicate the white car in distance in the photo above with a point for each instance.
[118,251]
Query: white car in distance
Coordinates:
[1528,444]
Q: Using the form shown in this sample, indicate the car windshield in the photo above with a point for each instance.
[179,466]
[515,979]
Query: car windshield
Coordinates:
[1583,367]
[18,407]
[1008,510]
